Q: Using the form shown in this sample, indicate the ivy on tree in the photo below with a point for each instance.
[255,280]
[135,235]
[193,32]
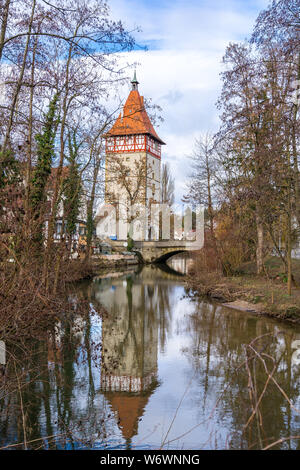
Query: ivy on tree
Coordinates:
[72,188]
[45,154]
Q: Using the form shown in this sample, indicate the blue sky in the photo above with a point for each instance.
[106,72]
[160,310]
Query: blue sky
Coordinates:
[180,70]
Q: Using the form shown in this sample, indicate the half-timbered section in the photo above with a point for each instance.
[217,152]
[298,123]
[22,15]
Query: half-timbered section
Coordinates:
[134,143]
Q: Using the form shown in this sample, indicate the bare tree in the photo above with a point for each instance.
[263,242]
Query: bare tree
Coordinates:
[203,178]
[167,185]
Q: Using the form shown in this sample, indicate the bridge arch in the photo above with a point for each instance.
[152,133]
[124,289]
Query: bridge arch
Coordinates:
[165,256]
[154,251]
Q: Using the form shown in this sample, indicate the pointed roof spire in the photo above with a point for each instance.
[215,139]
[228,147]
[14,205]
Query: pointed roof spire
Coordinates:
[134,81]
[134,118]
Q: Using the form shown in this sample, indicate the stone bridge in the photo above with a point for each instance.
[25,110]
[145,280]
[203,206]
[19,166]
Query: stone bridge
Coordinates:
[155,251]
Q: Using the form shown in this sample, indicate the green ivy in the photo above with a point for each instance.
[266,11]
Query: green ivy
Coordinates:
[45,154]
[72,189]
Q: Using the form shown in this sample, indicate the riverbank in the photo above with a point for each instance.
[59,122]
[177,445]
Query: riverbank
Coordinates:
[260,295]
[79,270]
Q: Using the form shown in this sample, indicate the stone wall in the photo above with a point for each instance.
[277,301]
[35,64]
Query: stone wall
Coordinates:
[115,260]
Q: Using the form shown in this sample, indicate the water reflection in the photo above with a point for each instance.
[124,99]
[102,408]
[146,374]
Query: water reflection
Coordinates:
[129,355]
[182,263]
[2,358]
[157,354]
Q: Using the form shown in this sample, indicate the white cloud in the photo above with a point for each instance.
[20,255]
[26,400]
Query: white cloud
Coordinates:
[186,86]
[182,72]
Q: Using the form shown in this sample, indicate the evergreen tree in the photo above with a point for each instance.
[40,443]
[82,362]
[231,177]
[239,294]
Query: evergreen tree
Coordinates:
[9,169]
[89,225]
[72,189]
[42,171]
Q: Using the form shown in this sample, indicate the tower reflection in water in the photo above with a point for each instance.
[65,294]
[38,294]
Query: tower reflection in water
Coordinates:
[129,350]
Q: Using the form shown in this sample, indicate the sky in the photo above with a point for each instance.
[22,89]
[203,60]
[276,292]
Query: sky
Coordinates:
[180,71]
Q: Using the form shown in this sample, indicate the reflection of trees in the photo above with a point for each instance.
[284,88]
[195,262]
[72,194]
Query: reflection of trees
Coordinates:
[59,374]
[130,331]
[47,385]
[164,310]
[217,354]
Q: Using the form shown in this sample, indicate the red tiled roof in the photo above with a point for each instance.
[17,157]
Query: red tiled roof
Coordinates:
[133,119]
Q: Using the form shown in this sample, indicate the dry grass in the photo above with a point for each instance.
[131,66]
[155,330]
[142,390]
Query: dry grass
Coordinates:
[268,292]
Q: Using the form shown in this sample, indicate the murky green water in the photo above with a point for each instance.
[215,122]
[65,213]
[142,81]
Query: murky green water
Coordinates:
[161,370]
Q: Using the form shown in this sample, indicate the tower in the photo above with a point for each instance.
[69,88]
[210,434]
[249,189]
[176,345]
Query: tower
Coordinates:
[132,166]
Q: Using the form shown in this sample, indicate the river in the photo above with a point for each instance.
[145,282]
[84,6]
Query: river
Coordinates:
[161,369]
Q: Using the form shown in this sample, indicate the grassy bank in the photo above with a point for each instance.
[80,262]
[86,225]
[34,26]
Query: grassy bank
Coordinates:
[263,295]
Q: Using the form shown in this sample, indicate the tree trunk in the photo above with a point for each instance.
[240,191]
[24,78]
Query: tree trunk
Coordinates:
[289,240]
[289,257]
[4,26]
[20,79]
[294,150]
[260,244]
[58,182]
[29,144]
